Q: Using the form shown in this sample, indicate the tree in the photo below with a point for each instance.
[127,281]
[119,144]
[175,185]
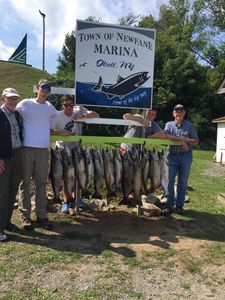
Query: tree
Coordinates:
[67,58]
[180,76]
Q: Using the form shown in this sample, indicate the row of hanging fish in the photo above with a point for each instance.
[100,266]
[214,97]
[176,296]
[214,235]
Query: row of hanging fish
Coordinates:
[132,173]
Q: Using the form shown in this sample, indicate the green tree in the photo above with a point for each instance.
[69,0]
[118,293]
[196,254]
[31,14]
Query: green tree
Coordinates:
[66,60]
[180,76]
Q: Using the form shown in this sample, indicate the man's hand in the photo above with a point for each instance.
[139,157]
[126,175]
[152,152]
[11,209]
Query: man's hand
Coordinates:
[184,141]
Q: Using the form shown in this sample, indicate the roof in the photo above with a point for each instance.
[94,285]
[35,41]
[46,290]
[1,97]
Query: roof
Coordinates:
[221,89]
[219,120]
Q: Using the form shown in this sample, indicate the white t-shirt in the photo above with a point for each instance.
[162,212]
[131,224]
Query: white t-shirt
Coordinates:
[36,122]
[61,122]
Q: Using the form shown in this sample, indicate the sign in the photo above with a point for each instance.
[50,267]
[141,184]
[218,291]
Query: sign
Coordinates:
[114,65]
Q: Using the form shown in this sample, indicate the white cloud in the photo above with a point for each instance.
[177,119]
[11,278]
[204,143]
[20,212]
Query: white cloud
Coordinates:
[19,17]
[5,51]
[61,15]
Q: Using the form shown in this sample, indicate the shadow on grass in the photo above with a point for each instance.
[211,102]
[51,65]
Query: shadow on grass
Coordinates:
[93,233]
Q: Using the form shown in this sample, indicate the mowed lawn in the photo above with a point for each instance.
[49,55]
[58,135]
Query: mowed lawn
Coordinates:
[118,255]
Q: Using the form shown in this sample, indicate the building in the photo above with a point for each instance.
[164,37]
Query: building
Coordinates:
[220,140]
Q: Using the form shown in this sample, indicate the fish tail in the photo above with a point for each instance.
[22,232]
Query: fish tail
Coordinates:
[99,84]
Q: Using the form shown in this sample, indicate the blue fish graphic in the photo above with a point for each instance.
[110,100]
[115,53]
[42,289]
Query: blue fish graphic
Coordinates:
[124,86]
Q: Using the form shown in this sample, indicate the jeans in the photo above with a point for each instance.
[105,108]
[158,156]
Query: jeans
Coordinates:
[178,165]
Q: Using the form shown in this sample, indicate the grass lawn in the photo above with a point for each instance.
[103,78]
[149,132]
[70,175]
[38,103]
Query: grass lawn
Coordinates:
[118,255]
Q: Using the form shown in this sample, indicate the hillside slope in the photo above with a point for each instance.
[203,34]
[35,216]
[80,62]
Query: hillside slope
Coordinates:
[20,77]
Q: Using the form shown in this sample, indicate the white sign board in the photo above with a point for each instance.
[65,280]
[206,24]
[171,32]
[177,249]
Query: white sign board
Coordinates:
[114,65]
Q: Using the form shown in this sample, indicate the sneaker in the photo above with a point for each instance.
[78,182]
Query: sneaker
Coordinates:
[45,224]
[65,208]
[167,211]
[180,210]
[3,237]
[11,227]
[26,224]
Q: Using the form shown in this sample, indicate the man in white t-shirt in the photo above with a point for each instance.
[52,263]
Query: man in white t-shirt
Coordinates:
[63,123]
[37,113]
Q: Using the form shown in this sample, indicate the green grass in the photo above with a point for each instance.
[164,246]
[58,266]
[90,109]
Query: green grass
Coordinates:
[20,77]
[29,261]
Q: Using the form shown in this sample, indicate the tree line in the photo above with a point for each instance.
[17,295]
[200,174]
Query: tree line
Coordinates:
[189,63]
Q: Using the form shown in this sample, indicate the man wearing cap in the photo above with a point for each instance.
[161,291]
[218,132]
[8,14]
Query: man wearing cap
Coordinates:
[37,113]
[63,124]
[10,158]
[179,157]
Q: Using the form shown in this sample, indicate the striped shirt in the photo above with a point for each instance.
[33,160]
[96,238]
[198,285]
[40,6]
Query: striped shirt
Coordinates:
[15,136]
[186,129]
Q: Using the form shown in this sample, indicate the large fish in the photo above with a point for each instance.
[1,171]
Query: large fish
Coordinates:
[68,172]
[79,164]
[90,169]
[155,172]
[124,86]
[145,169]
[99,172]
[137,169]
[118,168]
[127,178]
[56,173]
[164,168]
[108,171]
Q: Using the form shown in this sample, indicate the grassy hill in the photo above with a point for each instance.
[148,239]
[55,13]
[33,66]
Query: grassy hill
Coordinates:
[20,77]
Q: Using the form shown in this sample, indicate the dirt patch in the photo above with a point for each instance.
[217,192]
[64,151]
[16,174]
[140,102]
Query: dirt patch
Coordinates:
[148,257]
[216,170]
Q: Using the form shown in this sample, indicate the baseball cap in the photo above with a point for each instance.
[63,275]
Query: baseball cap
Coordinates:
[44,85]
[178,107]
[10,92]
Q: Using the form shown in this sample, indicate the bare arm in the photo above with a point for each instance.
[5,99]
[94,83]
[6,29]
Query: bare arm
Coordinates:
[57,132]
[158,135]
[136,118]
[92,114]
[191,141]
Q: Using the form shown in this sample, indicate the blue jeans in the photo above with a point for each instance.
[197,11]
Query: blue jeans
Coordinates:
[178,165]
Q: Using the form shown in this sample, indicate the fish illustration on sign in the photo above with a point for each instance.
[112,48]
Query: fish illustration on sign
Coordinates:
[124,86]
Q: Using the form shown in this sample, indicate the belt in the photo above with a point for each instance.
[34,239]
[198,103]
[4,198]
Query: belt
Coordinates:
[179,153]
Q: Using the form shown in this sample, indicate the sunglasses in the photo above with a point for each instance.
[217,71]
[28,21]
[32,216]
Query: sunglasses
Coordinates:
[68,105]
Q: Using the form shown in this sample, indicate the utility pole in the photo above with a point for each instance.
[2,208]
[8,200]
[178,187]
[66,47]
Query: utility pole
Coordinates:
[43,53]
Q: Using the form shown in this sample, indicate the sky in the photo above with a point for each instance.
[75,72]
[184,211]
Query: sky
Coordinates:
[19,17]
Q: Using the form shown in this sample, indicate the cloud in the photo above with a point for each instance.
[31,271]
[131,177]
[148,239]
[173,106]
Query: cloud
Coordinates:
[20,17]
[5,51]
[61,15]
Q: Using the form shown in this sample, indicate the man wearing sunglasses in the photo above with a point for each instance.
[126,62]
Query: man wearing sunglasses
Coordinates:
[37,113]
[64,124]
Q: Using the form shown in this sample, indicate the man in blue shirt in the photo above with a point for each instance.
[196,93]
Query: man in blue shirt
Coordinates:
[179,157]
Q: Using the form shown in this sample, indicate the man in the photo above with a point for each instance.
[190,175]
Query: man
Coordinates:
[36,113]
[10,158]
[64,124]
[149,128]
[179,157]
